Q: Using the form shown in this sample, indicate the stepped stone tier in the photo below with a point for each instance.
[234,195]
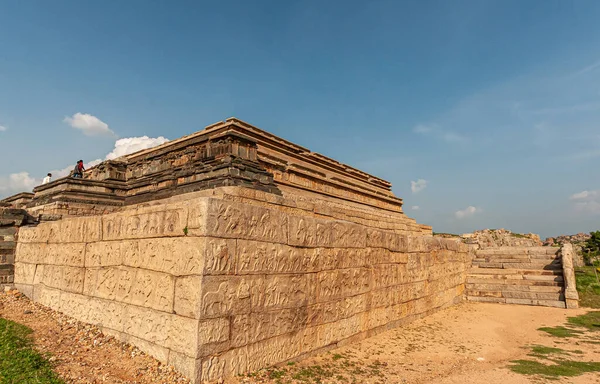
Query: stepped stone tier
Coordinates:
[523,275]
[230,250]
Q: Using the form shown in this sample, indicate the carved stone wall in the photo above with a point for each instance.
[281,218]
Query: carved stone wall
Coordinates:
[230,280]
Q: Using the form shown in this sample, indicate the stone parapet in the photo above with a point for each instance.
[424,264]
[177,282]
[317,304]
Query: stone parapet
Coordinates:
[571,295]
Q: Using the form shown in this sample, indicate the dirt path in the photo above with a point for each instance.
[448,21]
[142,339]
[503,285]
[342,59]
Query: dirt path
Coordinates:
[466,344]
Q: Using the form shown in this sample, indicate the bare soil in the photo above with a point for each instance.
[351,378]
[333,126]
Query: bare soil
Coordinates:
[468,343]
[80,352]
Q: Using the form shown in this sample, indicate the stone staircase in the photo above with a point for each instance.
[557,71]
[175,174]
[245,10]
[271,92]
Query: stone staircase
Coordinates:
[517,275]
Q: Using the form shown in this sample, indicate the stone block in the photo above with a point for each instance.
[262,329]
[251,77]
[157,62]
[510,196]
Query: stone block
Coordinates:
[65,278]
[26,289]
[190,367]
[223,296]
[69,254]
[37,234]
[160,353]
[132,286]
[377,238]
[244,221]
[253,327]
[160,222]
[188,296]
[174,332]
[257,257]
[46,296]
[24,273]
[75,230]
[110,253]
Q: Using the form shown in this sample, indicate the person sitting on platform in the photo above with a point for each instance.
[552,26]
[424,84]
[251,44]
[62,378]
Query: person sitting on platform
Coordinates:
[47,179]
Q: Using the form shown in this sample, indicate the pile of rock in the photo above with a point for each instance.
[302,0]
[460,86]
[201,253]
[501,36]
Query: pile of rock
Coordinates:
[573,239]
[491,238]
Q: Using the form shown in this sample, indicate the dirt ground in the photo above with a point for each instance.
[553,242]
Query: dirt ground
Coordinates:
[468,343]
[471,343]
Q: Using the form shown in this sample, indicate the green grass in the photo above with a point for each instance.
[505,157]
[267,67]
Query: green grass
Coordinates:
[542,350]
[555,369]
[590,320]
[19,362]
[587,287]
[561,331]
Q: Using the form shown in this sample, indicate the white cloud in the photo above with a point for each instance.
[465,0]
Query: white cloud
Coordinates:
[418,186]
[467,212]
[17,182]
[584,195]
[130,145]
[422,128]
[90,125]
[3,128]
[22,181]
[415,207]
[592,206]
[587,201]
[122,147]
[435,131]
[589,68]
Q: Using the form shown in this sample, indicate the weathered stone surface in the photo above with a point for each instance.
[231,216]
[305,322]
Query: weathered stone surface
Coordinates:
[188,296]
[160,222]
[132,286]
[176,333]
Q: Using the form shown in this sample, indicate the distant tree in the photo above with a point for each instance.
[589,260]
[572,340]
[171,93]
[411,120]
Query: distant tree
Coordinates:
[591,248]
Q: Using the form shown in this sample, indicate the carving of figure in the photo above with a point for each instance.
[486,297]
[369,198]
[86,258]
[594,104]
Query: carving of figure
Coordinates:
[243,290]
[217,302]
[272,293]
[219,257]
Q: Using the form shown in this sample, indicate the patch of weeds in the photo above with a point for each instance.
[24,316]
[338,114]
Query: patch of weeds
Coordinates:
[561,331]
[590,320]
[557,368]
[587,287]
[185,230]
[19,362]
[276,374]
[313,373]
[290,363]
[543,350]
[338,356]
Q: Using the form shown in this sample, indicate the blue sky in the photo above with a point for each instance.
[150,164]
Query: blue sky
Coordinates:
[494,105]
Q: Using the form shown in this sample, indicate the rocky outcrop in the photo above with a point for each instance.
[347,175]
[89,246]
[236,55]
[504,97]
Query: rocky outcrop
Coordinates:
[562,239]
[493,238]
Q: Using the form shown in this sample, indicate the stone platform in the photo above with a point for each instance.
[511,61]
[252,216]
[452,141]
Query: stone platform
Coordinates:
[231,249]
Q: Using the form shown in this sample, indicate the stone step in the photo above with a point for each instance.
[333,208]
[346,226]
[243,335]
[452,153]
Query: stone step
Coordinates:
[517,295]
[513,271]
[545,303]
[519,281]
[540,266]
[556,289]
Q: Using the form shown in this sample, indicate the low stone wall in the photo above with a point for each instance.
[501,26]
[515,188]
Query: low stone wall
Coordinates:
[10,221]
[571,295]
[231,280]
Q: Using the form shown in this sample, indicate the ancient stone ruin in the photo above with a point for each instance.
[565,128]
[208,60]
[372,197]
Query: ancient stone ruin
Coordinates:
[232,249]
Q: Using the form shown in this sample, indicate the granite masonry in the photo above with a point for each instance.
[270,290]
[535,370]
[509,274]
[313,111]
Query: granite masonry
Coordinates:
[232,249]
